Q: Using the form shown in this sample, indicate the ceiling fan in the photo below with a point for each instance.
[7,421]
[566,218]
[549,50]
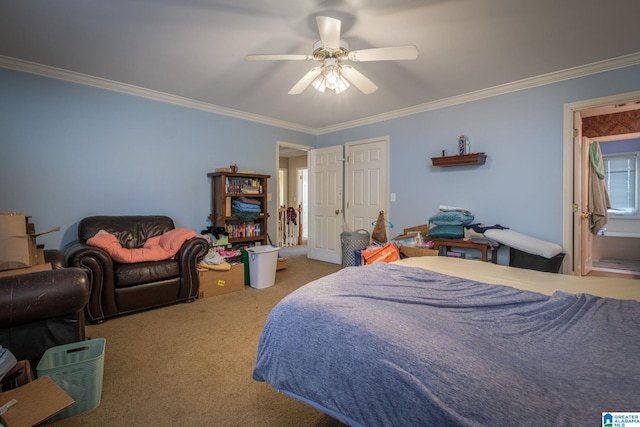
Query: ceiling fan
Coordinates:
[332,52]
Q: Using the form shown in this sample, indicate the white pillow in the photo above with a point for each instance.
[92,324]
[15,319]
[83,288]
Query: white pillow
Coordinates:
[524,243]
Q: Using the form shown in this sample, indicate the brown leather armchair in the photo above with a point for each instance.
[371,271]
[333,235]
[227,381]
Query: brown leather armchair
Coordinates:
[43,309]
[119,288]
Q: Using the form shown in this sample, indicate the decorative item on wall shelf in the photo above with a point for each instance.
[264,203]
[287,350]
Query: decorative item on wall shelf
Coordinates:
[460,160]
[231,169]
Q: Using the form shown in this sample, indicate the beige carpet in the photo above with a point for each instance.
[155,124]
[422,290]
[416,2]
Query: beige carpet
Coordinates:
[191,364]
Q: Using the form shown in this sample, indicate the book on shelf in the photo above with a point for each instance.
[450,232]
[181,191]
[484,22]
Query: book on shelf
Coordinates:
[244,229]
[228,207]
[241,185]
[251,190]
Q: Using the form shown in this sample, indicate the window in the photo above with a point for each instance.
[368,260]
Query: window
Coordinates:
[622,183]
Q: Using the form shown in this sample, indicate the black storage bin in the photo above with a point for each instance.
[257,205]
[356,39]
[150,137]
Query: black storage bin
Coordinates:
[520,259]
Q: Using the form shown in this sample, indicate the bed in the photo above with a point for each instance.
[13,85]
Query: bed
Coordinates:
[444,341]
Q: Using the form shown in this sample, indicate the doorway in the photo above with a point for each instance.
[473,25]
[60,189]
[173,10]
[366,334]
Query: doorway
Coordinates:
[577,242]
[348,189]
[293,193]
[302,191]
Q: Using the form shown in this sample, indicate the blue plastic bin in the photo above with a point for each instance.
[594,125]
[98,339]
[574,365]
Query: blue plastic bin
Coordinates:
[78,369]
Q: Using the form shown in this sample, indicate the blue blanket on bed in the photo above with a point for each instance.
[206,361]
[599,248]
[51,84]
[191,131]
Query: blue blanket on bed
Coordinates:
[385,345]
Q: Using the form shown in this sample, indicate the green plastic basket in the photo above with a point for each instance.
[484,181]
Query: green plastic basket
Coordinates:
[77,368]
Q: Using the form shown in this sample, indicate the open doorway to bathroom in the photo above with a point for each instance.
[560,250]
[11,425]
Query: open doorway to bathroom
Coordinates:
[615,250]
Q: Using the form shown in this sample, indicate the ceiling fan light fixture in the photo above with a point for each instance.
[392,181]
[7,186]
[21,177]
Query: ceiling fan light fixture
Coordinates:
[319,84]
[331,78]
[332,52]
[341,85]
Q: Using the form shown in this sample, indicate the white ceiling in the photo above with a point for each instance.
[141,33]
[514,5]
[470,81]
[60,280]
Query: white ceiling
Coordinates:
[196,49]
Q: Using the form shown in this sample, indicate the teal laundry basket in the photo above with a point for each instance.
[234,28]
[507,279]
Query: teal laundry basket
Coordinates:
[78,369]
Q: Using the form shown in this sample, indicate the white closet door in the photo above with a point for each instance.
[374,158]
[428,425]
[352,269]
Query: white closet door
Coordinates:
[325,203]
[367,183]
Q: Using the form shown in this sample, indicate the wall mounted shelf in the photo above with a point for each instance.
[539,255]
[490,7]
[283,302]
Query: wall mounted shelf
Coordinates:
[460,160]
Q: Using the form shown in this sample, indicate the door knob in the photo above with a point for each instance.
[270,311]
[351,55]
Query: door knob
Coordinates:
[337,211]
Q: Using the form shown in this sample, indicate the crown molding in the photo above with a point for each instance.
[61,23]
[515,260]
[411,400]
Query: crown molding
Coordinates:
[111,85]
[545,79]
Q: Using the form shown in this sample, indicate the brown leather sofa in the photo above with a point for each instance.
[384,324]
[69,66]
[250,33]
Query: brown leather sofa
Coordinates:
[43,309]
[119,288]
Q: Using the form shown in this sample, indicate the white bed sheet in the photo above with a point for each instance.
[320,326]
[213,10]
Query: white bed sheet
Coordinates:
[528,280]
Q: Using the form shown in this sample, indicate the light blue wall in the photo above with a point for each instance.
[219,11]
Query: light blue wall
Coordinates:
[520,186]
[68,151]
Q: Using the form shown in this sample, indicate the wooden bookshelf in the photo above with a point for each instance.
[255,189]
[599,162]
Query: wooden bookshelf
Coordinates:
[226,186]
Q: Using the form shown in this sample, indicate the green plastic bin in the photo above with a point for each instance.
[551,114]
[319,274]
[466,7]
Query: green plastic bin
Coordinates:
[78,369]
[245,262]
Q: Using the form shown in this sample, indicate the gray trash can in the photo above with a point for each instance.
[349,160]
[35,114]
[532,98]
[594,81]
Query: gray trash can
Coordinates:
[351,242]
[263,261]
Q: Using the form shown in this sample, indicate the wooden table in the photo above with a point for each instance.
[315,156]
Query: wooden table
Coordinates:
[484,248]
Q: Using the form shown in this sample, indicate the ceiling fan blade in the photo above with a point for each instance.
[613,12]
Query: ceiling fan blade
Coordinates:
[305,81]
[279,57]
[329,29]
[384,54]
[358,79]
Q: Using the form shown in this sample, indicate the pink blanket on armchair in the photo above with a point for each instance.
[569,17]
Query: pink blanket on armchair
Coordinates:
[155,248]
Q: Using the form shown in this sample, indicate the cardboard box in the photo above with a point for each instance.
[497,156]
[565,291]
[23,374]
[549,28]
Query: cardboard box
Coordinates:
[422,228]
[18,376]
[214,282]
[412,235]
[18,248]
[411,251]
[36,401]
[410,239]
[281,264]
[17,271]
[407,242]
